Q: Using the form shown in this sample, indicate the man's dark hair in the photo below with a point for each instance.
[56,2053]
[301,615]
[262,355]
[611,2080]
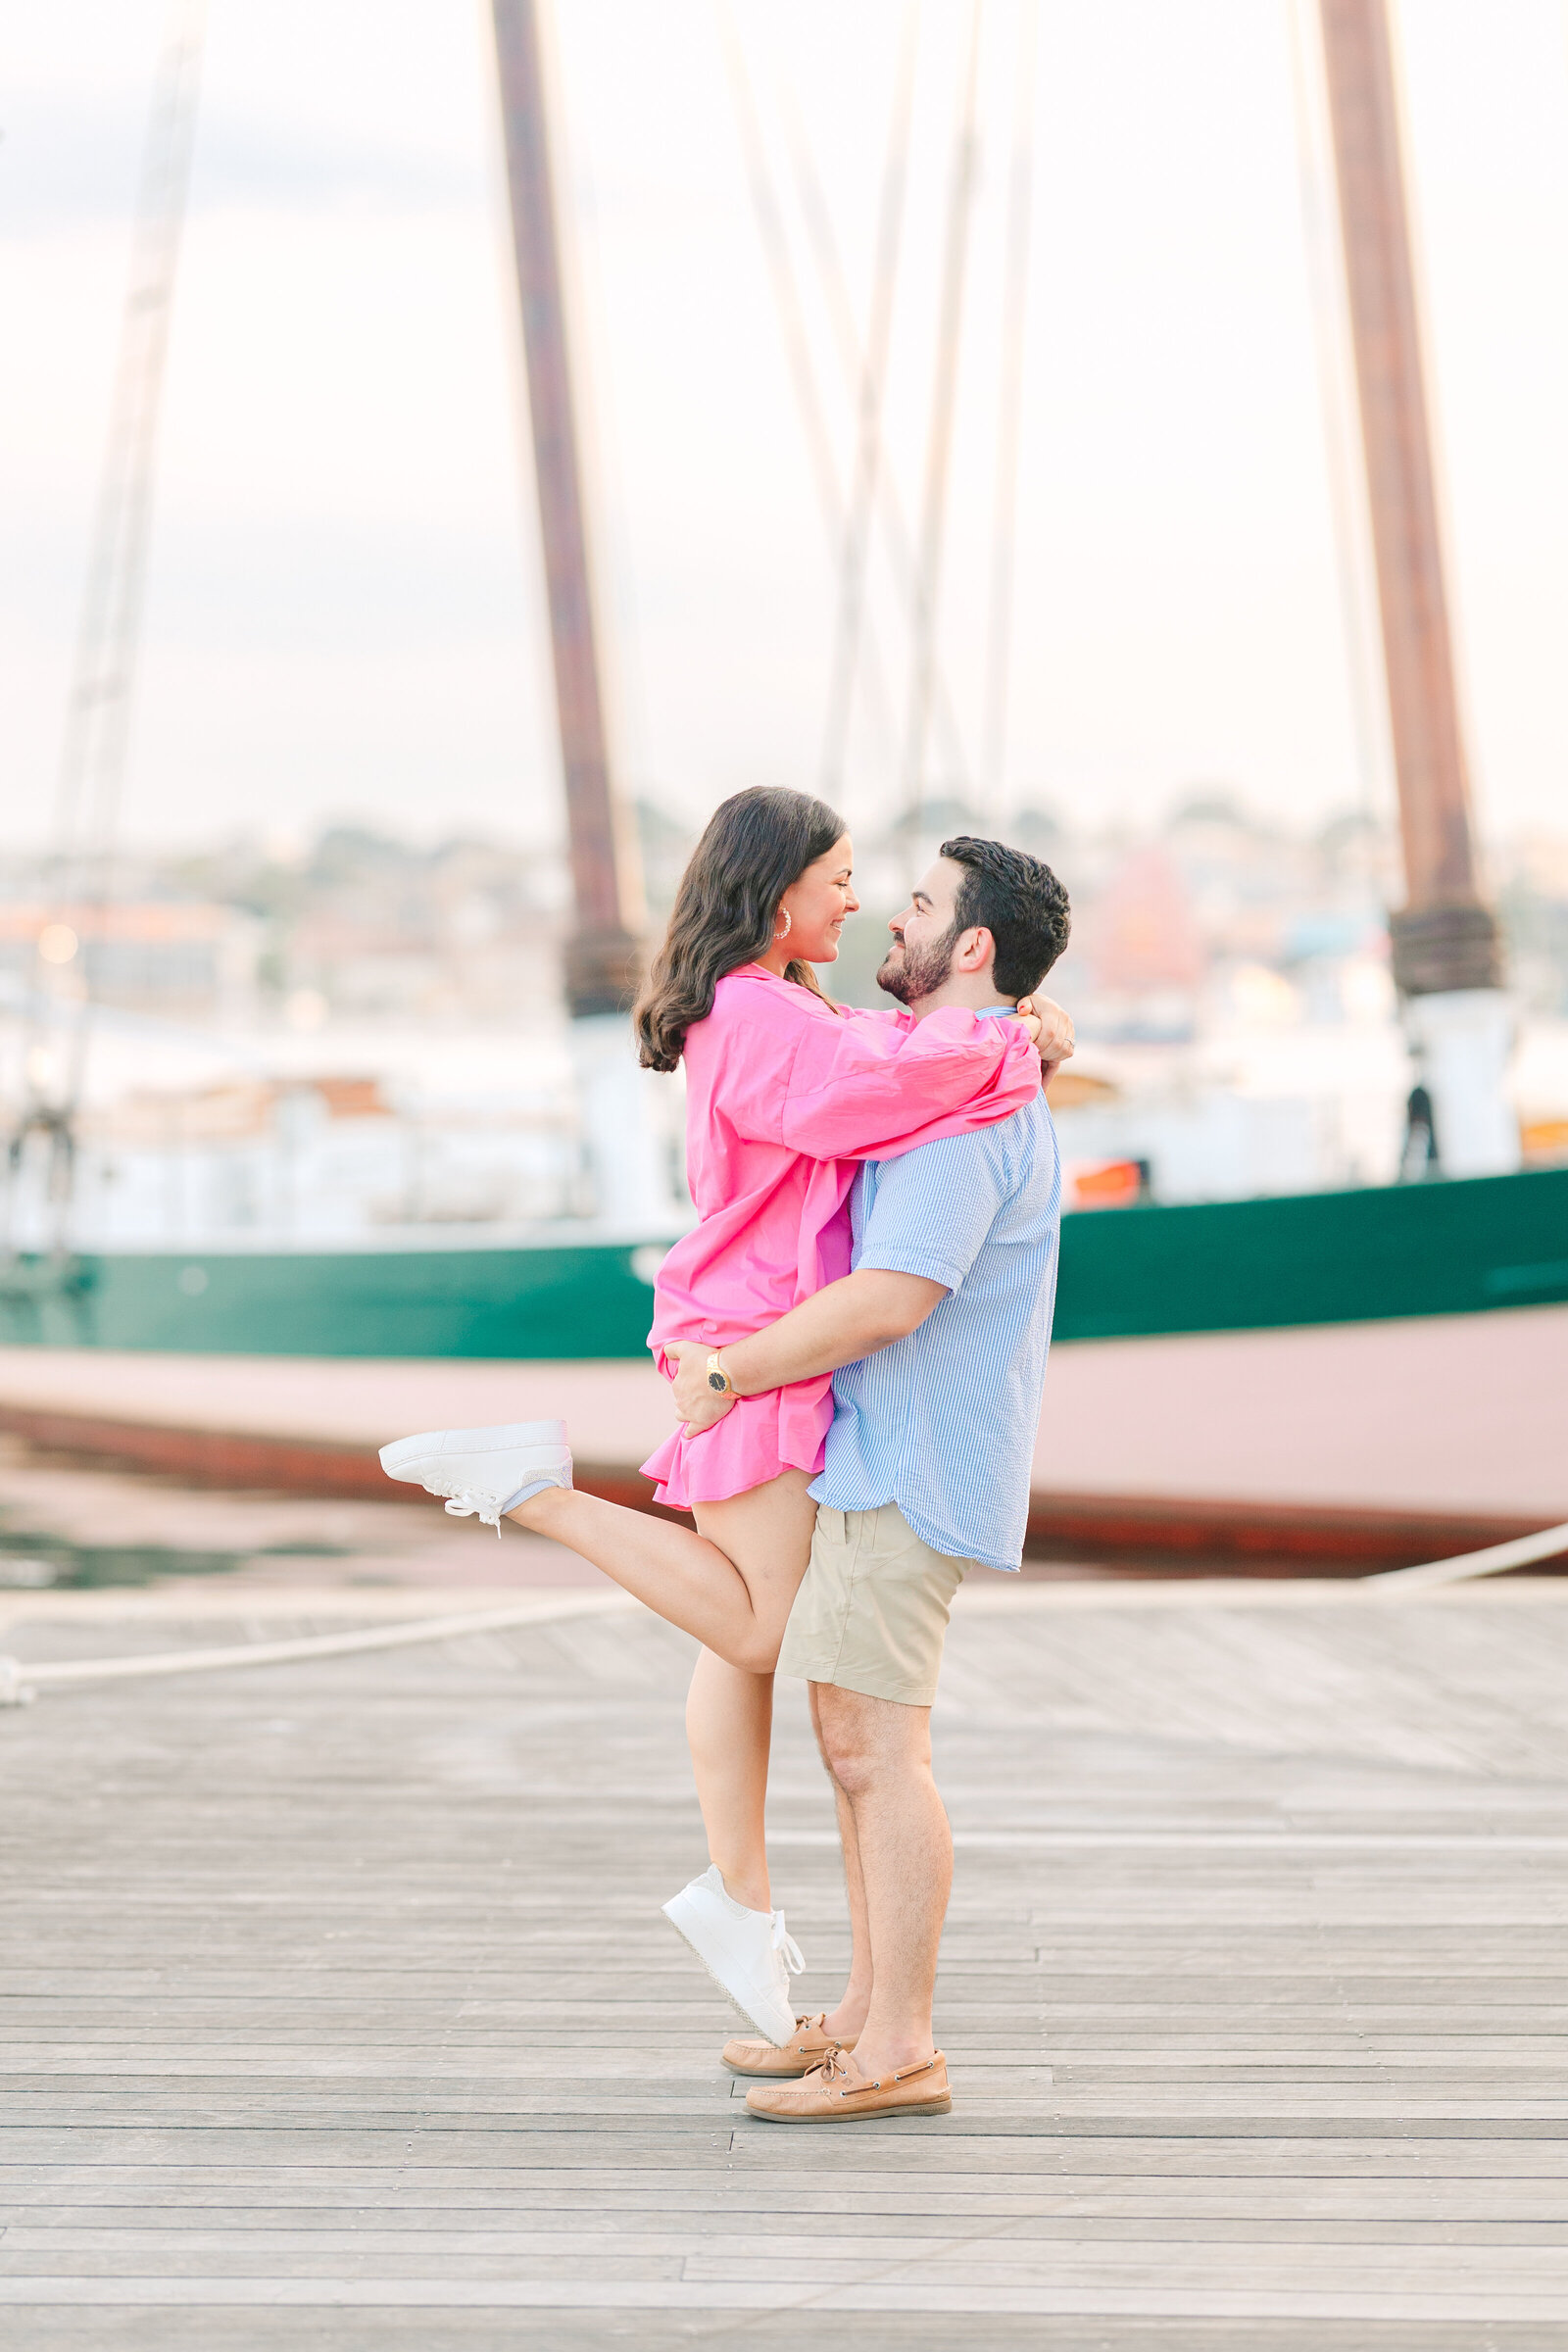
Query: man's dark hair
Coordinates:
[1018,900]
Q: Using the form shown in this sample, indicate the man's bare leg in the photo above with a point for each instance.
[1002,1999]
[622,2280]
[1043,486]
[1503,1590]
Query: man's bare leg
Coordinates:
[732,1585]
[879,1754]
[847,2018]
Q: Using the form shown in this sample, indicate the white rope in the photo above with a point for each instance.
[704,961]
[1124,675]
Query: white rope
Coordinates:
[1522,1552]
[19,1683]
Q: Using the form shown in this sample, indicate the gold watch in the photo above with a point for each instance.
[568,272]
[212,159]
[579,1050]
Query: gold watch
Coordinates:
[718,1379]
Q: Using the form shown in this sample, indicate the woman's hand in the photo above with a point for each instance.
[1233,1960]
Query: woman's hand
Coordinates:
[1051,1030]
[698,1405]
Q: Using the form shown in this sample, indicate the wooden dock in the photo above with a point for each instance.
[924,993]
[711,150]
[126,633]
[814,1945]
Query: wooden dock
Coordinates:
[340,2013]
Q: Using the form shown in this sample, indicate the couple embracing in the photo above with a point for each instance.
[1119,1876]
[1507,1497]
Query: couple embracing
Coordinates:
[855,1331]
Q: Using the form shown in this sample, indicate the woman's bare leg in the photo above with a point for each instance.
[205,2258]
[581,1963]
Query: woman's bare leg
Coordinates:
[730,1727]
[731,1586]
[729,1712]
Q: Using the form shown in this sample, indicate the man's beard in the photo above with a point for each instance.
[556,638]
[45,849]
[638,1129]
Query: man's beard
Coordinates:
[919,971]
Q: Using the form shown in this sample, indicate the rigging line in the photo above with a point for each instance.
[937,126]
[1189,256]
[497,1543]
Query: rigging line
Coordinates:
[96,734]
[1010,413]
[865,368]
[96,738]
[103,673]
[872,481]
[792,316]
[862,368]
[1351,526]
[933,515]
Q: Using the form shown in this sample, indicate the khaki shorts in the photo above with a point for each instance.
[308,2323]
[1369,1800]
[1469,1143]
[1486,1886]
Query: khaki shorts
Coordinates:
[871,1614]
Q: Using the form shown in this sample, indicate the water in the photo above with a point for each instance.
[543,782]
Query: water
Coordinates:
[33,1560]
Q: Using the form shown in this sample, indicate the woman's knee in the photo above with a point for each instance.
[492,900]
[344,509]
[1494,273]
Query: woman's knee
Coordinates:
[759,1642]
[752,1652]
[756,1651]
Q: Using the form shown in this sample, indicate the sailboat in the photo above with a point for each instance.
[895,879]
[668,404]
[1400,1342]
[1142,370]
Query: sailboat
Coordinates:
[1485,1236]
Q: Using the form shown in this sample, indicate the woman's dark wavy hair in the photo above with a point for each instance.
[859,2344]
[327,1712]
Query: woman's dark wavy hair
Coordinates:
[756,845]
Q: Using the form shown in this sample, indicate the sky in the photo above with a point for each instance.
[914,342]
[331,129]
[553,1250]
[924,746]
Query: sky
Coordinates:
[344,617]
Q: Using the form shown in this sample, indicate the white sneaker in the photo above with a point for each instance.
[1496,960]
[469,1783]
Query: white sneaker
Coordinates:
[483,1471]
[747,1953]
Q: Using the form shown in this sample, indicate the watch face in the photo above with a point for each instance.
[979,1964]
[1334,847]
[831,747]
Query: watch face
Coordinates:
[715,1381]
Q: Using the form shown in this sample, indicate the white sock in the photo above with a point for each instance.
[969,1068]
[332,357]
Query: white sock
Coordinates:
[535,1485]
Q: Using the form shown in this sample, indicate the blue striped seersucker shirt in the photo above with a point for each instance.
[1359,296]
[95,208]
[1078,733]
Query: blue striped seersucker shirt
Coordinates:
[944,1423]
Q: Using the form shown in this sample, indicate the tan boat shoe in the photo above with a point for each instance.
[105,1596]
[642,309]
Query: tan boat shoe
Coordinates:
[835,2091]
[807,2047]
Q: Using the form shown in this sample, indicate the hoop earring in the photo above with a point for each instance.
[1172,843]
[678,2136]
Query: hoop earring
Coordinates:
[784,934]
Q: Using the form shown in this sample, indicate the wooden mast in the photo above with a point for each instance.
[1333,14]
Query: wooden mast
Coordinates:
[1444,938]
[604,953]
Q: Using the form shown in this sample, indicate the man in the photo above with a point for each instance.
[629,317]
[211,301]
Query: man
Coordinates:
[937,1340]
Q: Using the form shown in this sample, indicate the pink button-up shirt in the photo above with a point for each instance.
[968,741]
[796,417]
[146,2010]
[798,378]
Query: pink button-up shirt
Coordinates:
[785,1094]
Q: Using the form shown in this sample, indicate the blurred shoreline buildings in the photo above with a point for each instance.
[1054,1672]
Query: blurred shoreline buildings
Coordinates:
[362,1035]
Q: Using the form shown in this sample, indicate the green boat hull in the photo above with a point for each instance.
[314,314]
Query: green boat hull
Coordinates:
[1237,1265]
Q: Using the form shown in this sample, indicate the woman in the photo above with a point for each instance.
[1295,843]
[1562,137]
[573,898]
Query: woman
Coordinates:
[786,1094]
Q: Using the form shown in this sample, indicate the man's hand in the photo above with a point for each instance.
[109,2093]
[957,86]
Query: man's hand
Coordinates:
[698,1405]
[1053,1033]
[837,1325]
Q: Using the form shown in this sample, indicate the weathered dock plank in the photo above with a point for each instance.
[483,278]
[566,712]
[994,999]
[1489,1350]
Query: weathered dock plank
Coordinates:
[339,1993]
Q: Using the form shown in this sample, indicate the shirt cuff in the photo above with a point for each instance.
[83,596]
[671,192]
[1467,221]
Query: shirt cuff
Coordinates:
[930,1269]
